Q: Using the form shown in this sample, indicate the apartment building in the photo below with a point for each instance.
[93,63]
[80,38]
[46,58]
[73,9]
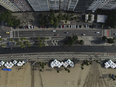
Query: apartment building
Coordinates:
[21,4]
[8,5]
[98,4]
[39,5]
[110,5]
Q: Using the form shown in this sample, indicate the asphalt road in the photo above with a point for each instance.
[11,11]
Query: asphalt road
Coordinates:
[109,49]
[34,33]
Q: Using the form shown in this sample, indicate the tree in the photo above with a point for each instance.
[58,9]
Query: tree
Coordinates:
[0,39]
[52,22]
[68,71]
[16,40]
[57,71]
[41,40]
[104,38]
[81,42]
[25,38]
[75,18]
[75,37]
[21,38]
[110,40]
[3,45]
[70,41]
[65,21]
[89,17]
[38,38]
[39,45]
[22,46]
[11,39]
[29,45]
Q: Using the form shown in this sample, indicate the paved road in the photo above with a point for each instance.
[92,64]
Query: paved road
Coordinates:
[34,33]
[60,49]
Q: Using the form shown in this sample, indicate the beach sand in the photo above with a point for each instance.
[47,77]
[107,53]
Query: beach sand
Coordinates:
[15,77]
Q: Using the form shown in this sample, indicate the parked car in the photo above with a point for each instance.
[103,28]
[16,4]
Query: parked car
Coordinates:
[32,27]
[55,34]
[74,26]
[62,26]
[42,26]
[26,27]
[77,26]
[80,26]
[21,27]
[71,26]
[114,33]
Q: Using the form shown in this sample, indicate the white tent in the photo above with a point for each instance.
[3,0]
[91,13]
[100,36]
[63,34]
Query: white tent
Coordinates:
[69,61]
[14,62]
[111,64]
[107,65]
[101,18]
[9,65]
[2,63]
[72,64]
[65,64]
[19,63]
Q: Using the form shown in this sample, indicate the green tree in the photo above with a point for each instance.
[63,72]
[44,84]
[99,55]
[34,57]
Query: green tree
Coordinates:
[25,38]
[38,38]
[70,41]
[22,46]
[29,45]
[0,39]
[26,42]
[52,22]
[104,38]
[75,18]
[21,38]
[16,40]
[75,37]
[81,42]
[110,40]
[57,71]
[41,40]
[39,45]
[3,45]
[65,21]
[11,39]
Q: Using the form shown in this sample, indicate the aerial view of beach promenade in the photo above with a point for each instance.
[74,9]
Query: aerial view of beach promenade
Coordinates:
[57,43]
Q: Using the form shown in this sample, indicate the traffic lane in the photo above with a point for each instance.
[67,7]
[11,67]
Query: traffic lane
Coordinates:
[80,32]
[59,49]
[59,32]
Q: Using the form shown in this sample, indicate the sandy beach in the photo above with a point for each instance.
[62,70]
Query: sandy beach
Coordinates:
[15,77]
[91,76]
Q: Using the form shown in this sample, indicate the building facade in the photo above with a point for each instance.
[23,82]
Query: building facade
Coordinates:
[22,5]
[8,5]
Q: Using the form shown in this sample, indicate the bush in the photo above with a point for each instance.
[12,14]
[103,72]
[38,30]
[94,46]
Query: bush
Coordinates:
[75,37]
[110,40]
[21,38]
[0,39]
[40,70]
[65,69]
[68,71]
[57,71]
[104,38]
[70,41]
[82,68]
[81,42]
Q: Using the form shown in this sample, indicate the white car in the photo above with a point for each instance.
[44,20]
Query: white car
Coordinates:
[54,31]
[32,27]
[97,32]
[28,27]
[83,34]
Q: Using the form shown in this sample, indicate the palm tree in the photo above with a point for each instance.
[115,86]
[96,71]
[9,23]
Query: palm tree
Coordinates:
[38,38]
[39,45]
[41,40]
[22,46]
[25,38]
[16,40]
[0,39]
[3,45]
[11,39]
[21,38]
[28,45]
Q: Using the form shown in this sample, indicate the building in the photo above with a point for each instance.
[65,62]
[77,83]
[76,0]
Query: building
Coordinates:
[8,5]
[110,5]
[22,5]
[40,5]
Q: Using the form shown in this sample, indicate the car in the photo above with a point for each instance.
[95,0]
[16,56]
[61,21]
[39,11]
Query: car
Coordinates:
[74,26]
[114,33]
[77,26]
[83,34]
[66,32]
[20,27]
[43,27]
[0,36]
[7,32]
[32,27]
[62,26]
[23,27]
[28,27]
[54,31]
[98,32]
[80,26]
[56,35]
[71,26]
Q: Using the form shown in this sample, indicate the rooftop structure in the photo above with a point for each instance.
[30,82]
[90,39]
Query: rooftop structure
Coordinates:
[111,64]
[101,18]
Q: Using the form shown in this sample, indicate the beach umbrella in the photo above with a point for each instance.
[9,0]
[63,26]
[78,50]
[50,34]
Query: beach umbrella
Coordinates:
[14,62]
[19,63]
[2,63]
[23,62]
